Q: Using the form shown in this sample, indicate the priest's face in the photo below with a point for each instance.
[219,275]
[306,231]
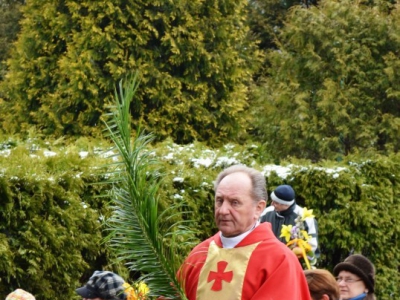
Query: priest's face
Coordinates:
[235,210]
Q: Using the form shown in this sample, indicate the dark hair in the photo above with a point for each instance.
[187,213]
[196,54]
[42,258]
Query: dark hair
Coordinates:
[322,282]
[259,186]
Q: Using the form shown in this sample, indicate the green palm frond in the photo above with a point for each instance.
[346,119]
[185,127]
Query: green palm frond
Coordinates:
[144,238]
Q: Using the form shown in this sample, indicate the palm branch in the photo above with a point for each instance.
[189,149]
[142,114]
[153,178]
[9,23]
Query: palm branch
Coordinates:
[141,236]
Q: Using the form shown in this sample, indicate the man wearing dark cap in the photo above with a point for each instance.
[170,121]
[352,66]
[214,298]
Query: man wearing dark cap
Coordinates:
[284,211]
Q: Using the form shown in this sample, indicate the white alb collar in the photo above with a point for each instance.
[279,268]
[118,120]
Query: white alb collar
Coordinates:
[233,241]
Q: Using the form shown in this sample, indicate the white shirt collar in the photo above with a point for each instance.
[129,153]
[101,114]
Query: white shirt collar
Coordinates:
[233,241]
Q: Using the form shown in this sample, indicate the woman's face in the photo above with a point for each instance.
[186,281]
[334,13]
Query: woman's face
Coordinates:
[350,285]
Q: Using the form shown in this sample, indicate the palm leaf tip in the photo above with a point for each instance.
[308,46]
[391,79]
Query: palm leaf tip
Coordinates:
[138,233]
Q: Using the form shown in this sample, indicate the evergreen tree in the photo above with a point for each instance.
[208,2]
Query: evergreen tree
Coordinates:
[267,17]
[193,56]
[333,86]
[9,27]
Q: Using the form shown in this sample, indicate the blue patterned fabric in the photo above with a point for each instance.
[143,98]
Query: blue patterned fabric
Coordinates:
[103,284]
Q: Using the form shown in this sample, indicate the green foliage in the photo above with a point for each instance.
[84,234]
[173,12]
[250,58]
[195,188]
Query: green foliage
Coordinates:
[266,18]
[49,220]
[9,27]
[194,59]
[333,86]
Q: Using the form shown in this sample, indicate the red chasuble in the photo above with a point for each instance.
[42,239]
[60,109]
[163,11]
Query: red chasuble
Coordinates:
[260,267]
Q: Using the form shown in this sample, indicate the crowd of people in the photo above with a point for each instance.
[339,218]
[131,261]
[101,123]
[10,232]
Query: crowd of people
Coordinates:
[246,259]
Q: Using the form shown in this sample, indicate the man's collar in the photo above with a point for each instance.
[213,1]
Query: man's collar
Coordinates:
[228,242]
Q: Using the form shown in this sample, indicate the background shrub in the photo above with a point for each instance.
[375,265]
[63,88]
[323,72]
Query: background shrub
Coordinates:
[50,220]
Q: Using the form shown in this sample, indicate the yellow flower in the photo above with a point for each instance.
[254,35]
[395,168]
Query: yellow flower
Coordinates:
[307,214]
[305,235]
[129,291]
[142,289]
[286,232]
[137,292]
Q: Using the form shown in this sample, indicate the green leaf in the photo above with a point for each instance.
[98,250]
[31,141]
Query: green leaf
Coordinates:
[139,235]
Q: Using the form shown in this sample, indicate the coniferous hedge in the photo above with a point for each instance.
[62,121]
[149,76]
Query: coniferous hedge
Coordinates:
[50,220]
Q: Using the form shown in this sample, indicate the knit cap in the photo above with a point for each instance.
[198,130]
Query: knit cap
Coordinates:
[20,294]
[361,266]
[283,194]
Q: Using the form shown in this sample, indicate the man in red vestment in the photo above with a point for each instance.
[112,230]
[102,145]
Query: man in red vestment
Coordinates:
[244,260]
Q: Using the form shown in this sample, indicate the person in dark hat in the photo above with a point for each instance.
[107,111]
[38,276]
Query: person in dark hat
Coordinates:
[355,278]
[104,285]
[284,211]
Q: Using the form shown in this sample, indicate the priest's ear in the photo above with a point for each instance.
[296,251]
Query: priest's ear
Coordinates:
[260,206]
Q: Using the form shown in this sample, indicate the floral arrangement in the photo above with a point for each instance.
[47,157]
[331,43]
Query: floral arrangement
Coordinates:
[137,291]
[297,239]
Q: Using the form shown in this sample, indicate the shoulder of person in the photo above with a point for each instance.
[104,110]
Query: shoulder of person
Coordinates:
[267,210]
[298,210]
